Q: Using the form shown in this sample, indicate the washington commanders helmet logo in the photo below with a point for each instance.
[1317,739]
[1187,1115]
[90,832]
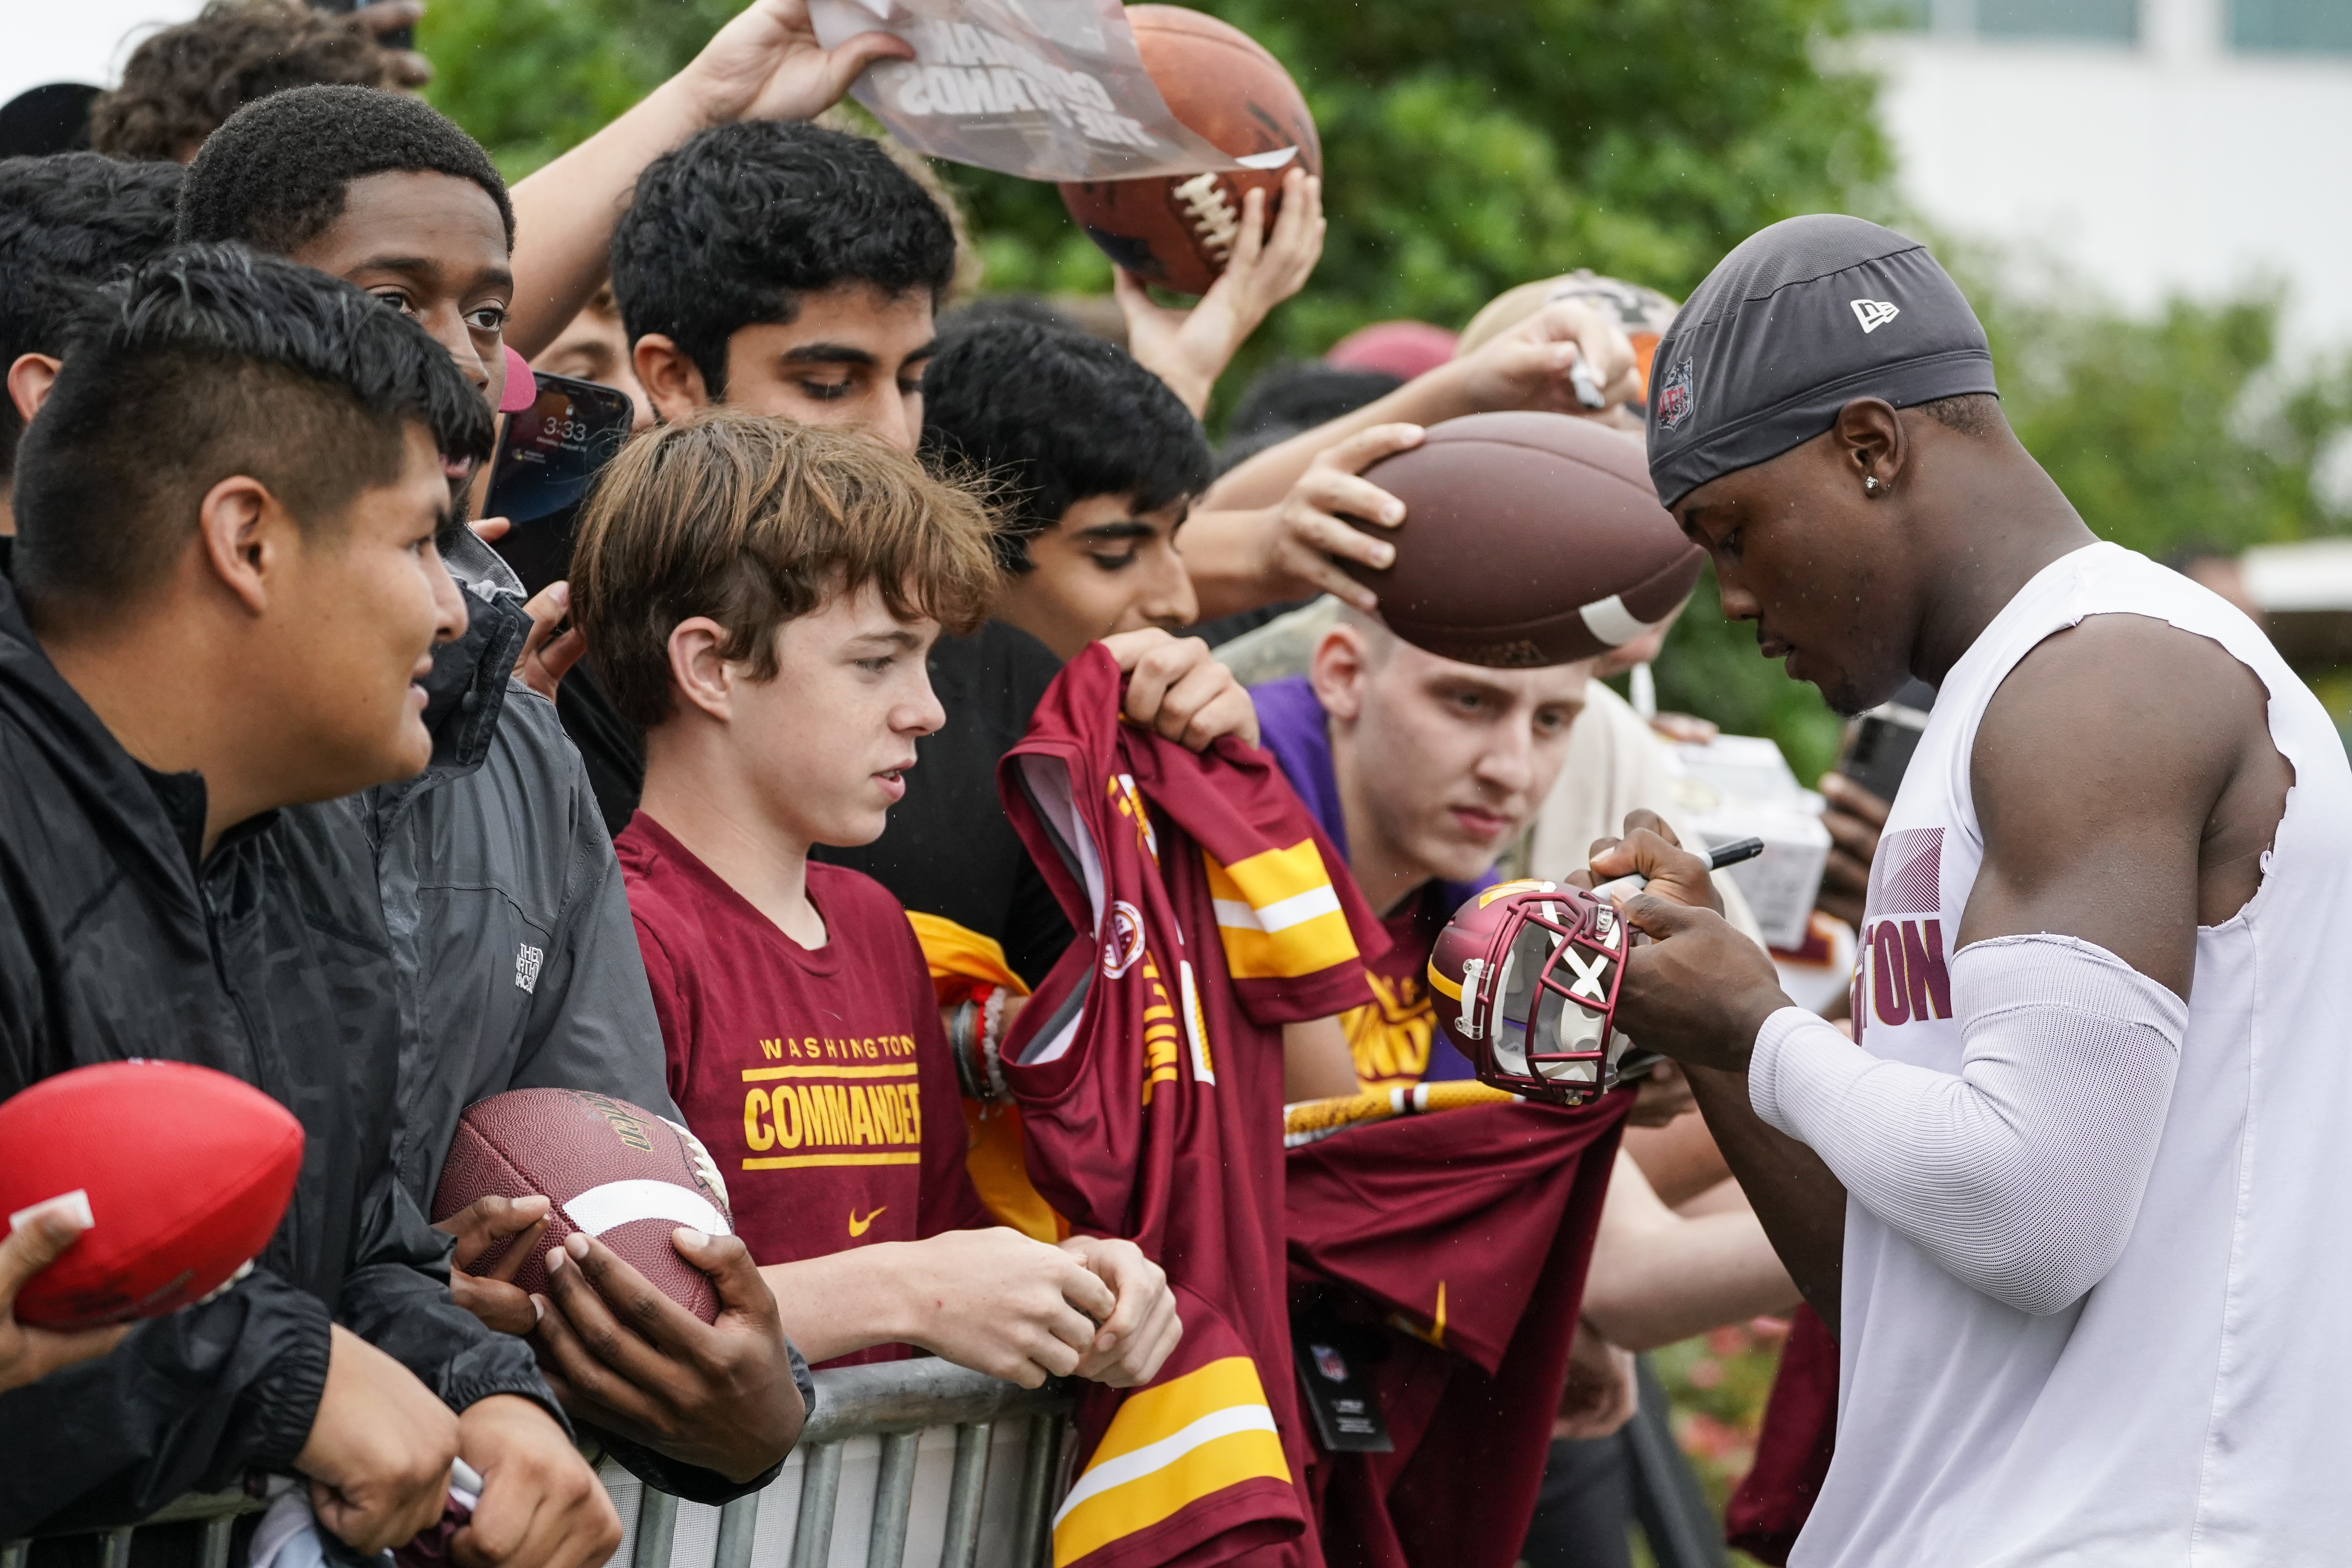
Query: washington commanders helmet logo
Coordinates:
[1123,939]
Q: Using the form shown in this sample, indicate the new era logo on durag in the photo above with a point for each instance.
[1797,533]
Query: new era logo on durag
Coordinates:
[1875,313]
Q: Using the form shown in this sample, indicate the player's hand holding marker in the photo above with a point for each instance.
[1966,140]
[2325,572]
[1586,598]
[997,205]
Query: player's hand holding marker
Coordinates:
[1697,990]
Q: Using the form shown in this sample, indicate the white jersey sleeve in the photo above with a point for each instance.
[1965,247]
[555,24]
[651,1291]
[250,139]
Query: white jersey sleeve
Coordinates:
[2022,1174]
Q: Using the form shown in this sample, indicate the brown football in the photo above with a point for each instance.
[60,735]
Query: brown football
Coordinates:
[1528,539]
[1179,230]
[619,1172]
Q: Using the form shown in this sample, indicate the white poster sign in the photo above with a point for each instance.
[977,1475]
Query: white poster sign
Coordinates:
[1052,90]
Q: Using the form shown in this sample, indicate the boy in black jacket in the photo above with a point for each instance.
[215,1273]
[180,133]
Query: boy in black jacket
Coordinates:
[226,595]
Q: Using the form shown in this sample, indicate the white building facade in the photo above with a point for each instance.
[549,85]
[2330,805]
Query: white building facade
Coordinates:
[2151,146]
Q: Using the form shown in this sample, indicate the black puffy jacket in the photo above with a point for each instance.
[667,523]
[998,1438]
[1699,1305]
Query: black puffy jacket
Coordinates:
[270,961]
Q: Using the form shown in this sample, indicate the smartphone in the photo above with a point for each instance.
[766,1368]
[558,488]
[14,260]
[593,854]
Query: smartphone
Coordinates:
[1878,745]
[548,457]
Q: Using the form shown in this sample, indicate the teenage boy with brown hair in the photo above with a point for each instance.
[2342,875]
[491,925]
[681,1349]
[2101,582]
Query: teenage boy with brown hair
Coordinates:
[761,598]
[794,271]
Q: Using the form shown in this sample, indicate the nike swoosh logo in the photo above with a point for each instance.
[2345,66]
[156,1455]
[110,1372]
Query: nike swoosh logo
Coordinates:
[857,1227]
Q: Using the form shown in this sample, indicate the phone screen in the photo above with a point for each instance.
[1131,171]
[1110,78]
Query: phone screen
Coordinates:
[546,459]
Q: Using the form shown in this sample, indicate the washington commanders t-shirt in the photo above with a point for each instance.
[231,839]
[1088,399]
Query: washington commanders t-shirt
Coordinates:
[818,1077]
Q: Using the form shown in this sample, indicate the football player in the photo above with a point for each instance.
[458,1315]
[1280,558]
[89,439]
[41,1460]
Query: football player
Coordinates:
[2069,1193]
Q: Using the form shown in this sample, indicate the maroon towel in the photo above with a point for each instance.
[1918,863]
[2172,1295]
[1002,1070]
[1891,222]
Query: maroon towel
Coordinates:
[1793,1451]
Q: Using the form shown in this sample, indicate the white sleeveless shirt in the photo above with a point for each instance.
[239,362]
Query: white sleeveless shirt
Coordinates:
[2196,1407]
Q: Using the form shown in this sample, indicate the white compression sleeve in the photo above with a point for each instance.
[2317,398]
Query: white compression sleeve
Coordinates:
[2022,1175]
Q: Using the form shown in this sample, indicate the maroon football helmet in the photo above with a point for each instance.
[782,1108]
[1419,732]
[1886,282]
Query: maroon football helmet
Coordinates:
[1525,975]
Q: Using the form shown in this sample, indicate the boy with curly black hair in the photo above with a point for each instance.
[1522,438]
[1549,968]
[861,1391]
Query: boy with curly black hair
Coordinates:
[1095,463]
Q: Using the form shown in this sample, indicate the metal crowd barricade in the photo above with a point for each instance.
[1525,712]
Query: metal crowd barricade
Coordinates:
[939,1464]
[942,1463]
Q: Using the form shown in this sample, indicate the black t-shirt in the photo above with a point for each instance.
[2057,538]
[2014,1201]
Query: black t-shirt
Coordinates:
[948,849]
[612,749]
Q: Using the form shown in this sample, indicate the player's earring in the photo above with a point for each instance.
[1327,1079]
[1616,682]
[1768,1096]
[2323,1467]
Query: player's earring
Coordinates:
[1870,483]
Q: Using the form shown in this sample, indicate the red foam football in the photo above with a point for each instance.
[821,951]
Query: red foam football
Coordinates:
[1528,539]
[186,1173]
[1179,230]
[619,1172]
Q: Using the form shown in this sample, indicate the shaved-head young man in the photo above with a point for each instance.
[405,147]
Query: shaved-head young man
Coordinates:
[2072,1196]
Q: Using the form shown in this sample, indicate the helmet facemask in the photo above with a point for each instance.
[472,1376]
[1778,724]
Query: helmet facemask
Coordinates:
[1537,1003]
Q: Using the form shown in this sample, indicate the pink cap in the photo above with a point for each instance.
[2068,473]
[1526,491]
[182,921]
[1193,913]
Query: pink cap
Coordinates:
[1400,348]
[523,386]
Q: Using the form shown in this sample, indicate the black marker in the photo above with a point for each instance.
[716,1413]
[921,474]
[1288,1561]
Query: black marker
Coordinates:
[1722,855]
[1733,853]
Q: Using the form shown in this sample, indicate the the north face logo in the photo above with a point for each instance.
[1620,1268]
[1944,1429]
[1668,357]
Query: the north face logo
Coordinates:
[527,962]
[1875,313]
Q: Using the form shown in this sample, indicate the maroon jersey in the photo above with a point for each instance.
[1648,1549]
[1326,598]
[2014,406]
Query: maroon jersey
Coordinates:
[1148,1068]
[1457,1242]
[818,1078]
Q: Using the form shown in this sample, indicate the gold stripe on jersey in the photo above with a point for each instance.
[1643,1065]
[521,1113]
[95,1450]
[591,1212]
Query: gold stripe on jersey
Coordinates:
[764,1075]
[801,1161]
[957,953]
[1279,915]
[998,1165]
[959,958]
[1167,1448]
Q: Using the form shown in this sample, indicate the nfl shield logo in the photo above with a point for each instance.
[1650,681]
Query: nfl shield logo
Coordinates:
[1330,1363]
[1675,401]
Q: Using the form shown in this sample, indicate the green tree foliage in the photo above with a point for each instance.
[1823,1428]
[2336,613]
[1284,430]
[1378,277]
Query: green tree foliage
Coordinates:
[530,79]
[2179,431]
[1472,146]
